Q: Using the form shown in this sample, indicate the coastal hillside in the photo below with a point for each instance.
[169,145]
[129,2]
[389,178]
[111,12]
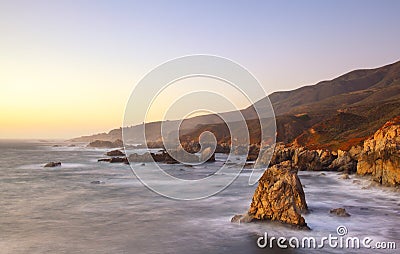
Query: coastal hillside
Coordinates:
[334,114]
[352,89]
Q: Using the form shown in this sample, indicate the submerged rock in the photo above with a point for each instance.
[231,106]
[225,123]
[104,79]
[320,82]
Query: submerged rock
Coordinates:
[278,197]
[341,212]
[245,218]
[345,176]
[97,182]
[106,160]
[52,164]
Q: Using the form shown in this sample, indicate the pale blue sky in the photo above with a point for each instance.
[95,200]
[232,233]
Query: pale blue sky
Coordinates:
[75,62]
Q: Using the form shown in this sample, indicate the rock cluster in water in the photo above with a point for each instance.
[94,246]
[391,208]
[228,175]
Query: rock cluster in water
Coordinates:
[174,157]
[106,144]
[115,160]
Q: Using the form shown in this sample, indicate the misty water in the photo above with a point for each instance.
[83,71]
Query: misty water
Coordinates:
[59,210]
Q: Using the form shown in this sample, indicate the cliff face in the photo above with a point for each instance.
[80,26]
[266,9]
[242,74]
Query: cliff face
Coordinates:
[279,196]
[380,156]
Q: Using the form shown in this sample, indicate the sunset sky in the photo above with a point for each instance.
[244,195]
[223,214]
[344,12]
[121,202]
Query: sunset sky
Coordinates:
[67,67]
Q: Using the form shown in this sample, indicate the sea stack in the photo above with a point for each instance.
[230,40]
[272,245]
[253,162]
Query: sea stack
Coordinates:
[278,197]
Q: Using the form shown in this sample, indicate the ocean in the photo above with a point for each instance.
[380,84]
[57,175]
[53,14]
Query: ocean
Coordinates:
[59,210]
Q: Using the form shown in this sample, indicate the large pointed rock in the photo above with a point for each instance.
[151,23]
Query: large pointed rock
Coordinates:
[279,197]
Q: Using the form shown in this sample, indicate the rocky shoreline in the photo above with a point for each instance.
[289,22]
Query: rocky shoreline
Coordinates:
[279,195]
[379,156]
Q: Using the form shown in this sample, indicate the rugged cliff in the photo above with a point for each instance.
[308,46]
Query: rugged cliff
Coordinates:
[380,156]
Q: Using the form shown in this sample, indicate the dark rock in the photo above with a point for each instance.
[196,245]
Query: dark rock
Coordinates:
[341,212]
[165,157]
[106,144]
[118,160]
[146,157]
[97,182]
[52,164]
[106,160]
[222,148]
[115,160]
[254,150]
[115,153]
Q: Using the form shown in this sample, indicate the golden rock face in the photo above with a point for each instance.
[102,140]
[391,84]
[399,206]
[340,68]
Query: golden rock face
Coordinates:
[279,196]
[380,156]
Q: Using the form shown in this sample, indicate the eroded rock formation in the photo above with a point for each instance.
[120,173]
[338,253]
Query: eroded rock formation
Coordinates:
[380,156]
[305,159]
[278,197]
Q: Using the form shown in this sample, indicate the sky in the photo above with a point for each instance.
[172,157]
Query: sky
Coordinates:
[67,68]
